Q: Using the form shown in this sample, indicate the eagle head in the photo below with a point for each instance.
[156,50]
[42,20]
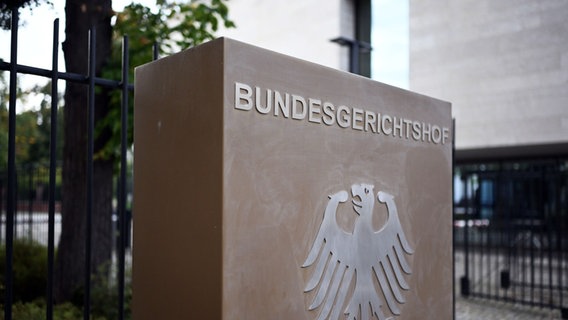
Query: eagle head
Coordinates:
[363,197]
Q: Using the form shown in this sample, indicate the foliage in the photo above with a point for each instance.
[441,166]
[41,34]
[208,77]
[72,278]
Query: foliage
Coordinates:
[4,100]
[30,279]
[29,270]
[33,127]
[41,121]
[4,96]
[104,296]
[33,130]
[36,311]
[6,9]
[173,25]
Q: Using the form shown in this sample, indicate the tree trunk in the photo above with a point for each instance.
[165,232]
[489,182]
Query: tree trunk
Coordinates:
[70,263]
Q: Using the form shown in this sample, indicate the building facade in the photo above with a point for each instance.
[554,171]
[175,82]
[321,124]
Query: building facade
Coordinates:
[504,67]
[304,29]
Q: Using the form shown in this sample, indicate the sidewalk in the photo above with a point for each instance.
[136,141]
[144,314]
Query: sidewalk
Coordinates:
[484,309]
[476,309]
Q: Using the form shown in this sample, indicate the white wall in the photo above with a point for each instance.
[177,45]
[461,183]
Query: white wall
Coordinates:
[302,29]
[503,65]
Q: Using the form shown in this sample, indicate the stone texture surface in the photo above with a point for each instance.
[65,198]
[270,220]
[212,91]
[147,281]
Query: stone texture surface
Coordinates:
[503,64]
[302,29]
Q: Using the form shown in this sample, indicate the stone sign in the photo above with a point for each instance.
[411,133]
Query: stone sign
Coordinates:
[267,187]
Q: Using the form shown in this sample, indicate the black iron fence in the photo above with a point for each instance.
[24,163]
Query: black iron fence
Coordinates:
[31,218]
[511,223]
[19,219]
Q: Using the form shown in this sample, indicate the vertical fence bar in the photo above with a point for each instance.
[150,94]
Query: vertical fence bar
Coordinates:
[482,232]
[465,289]
[155,50]
[453,218]
[541,228]
[1,201]
[519,250]
[530,233]
[30,200]
[52,170]
[122,180]
[523,255]
[90,151]
[500,259]
[11,206]
[489,232]
[475,237]
[511,247]
[561,234]
[551,233]
[16,196]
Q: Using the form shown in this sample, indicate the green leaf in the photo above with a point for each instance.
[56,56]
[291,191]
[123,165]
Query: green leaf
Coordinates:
[174,26]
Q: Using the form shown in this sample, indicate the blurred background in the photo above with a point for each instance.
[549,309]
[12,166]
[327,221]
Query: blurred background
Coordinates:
[502,64]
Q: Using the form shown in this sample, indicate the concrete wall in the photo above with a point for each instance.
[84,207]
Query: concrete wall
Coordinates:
[503,65]
[302,29]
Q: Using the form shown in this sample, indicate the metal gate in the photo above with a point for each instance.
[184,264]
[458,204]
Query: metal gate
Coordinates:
[511,223]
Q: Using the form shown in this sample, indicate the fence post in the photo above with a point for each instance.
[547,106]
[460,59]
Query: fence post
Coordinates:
[122,180]
[52,170]
[30,200]
[90,153]
[464,280]
[11,205]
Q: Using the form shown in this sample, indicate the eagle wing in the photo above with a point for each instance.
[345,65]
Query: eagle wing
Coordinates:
[391,248]
[339,260]
[330,241]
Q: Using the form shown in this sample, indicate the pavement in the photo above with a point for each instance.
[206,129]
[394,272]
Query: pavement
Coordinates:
[474,309]
[484,309]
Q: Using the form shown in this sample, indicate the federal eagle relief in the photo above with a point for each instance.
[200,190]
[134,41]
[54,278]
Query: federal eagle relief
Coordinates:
[342,261]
